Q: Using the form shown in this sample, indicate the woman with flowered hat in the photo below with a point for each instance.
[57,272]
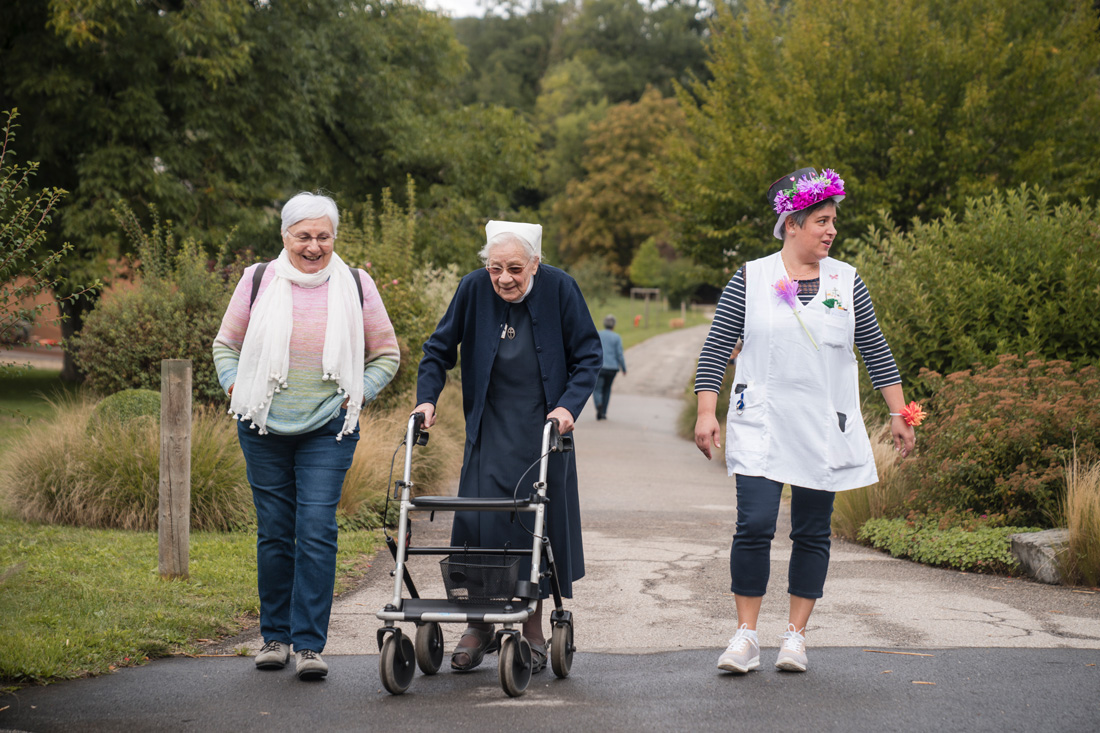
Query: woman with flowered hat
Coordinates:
[530,352]
[794,415]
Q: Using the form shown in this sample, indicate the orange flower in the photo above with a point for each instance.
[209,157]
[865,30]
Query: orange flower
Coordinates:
[913,414]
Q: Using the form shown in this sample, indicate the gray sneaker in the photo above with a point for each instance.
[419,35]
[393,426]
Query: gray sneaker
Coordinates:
[273,655]
[308,665]
[743,652]
[792,655]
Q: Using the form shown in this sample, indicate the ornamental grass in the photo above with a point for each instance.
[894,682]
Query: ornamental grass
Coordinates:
[1081,508]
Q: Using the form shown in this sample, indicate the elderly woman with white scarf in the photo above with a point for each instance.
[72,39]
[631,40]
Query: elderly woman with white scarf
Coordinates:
[304,344]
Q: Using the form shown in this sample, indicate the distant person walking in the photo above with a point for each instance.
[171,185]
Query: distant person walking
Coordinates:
[794,416]
[304,344]
[613,361]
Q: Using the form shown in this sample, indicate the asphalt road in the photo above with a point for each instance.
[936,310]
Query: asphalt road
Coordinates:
[653,612]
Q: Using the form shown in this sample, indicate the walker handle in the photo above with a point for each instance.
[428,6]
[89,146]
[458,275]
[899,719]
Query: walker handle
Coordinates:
[556,443]
[416,435]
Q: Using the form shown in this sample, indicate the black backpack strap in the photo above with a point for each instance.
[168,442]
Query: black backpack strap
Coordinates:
[358,284]
[258,275]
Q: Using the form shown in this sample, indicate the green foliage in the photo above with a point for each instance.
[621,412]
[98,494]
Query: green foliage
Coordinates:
[25,271]
[173,312]
[122,407]
[617,205]
[625,45]
[997,438]
[918,104]
[75,602]
[1013,275]
[595,279]
[647,268]
[216,112]
[980,546]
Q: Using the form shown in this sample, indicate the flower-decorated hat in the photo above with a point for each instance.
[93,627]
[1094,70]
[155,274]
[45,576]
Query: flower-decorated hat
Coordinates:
[800,190]
[530,232]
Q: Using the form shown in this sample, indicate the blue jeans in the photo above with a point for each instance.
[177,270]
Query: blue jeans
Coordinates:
[602,395]
[296,484]
[757,511]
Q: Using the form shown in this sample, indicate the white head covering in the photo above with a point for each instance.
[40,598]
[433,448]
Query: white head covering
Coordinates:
[530,232]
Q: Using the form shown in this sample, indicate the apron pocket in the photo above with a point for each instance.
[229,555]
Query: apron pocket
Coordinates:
[745,421]
[847,449]
[835,331]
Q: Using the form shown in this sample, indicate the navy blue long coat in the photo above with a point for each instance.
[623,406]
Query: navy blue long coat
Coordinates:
[566,360]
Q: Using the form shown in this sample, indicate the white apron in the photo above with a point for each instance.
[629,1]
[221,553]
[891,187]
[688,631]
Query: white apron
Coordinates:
[794,413]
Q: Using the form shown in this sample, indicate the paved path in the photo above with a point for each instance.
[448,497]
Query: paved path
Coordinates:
[652,614]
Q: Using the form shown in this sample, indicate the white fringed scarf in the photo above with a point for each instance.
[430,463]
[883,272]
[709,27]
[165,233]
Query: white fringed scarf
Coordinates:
[265,353]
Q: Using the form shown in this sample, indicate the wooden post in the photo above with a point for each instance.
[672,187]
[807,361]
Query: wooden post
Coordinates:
[647,310]
[174,522]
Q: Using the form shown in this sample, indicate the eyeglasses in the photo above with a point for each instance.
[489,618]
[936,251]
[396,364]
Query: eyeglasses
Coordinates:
[513,270]
[303,238]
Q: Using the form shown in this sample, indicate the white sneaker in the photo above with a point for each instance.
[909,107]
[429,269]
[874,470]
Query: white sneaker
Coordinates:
[308,665]
[792,655]
[273,655]
[743,652]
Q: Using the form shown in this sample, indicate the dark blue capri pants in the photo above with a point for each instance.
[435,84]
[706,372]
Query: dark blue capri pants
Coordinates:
[811,529]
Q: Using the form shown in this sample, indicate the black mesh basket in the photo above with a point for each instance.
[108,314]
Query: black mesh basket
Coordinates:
[471,578]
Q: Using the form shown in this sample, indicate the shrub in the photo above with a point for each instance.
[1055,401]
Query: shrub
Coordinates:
[595,278]
[852,509]
[1081,509]
[173,312]
[1013,275]
[998,436]
[124,406]
[65,472]
[967,543]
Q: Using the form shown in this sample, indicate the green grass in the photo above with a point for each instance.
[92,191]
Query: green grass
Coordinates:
[25,396]
[624,311]
[75,602]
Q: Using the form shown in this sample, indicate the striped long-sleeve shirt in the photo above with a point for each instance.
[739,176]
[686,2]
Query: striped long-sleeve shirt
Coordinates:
[309,402]
[729,324]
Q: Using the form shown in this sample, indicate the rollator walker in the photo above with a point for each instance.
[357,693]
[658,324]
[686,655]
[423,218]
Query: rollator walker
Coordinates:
[485,585]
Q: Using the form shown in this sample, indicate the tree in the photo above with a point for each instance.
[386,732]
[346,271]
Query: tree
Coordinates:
[216,111]
[617,205]
[918,105]
[647,269]
[24,271]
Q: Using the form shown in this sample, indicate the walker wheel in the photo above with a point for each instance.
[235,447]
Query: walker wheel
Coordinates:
[561,650]
[514,668]
[396,675]
[429,647]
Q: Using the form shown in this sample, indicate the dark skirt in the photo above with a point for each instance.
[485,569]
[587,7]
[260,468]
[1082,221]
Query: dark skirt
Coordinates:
[506,454]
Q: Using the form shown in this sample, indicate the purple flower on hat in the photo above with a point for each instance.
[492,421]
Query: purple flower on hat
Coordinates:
[809,190]
[783,202]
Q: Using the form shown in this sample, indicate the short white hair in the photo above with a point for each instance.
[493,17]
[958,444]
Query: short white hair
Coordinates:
[506,238]
[306,205]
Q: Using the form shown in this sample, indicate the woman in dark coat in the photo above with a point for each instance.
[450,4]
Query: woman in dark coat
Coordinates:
[530,352]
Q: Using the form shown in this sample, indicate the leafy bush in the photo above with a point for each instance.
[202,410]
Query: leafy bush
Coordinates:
[64,472]
[972,544]
[998,436]
[124,406]
[1013,275]
[595,279]
[1082,512]
[173,312]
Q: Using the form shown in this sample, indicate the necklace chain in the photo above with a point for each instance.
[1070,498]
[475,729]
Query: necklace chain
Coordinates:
[815,266]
